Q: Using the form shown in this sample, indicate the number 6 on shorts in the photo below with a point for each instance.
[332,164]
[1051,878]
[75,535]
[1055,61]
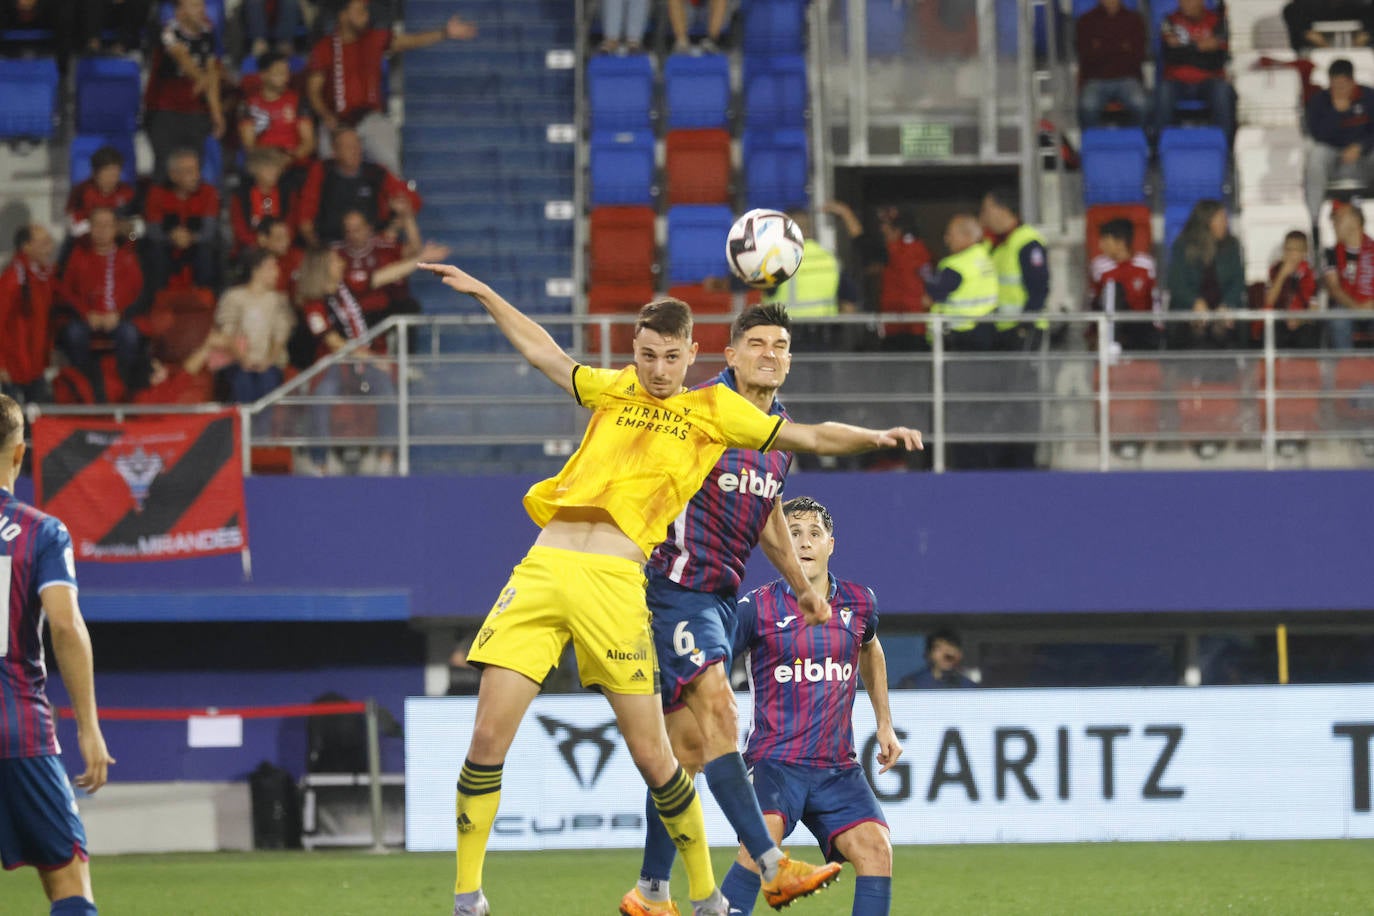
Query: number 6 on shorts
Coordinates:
[683,641]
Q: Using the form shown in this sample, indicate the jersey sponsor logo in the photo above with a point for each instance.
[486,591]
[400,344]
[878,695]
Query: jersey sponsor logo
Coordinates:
[638,675]
[748,481]
[782,624]
[574,737]
[808,670]
[655,420]
[138,469]
[620,655]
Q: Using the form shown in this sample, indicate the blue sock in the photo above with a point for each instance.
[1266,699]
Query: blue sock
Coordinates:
[729,782]
[741,888]
[659,850]
[72,906]
[872,896]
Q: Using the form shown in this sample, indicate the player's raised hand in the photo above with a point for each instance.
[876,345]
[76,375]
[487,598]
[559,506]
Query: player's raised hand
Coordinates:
[454,278]
[814,608]
[97,758]
[900,436]
[889,748]
[459,29]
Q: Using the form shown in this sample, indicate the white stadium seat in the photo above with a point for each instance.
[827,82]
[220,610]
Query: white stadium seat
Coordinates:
[1270,96]
[1256,25]
[1269,165]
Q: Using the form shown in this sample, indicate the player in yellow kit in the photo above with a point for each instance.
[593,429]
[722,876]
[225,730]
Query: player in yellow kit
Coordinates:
[646,451]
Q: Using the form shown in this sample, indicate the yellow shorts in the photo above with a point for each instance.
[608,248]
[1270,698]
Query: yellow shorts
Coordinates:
[596,601]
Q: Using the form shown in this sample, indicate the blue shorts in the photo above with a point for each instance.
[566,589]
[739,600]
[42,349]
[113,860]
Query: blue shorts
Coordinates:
[692,631]
[827,800]
[39,824]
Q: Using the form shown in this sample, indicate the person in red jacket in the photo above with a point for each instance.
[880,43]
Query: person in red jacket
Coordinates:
[28,287]
[103,282]
[182,220]
[1292,288]
[272,115]
[345,82]
[105,188]
[260,198]
[1121,279]
[1195,49]
[1349,278]
[346,182]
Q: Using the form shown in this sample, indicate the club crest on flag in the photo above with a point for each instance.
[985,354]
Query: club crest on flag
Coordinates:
[139,469]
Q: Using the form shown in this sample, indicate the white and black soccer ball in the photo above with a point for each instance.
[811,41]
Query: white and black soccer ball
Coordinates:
[764,248]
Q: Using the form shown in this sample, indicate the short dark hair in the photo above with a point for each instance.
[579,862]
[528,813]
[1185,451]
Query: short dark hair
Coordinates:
[1297,235]
[944,634]
[253,259]
[756,316]
[901,216]
[181,152]
[668,316]
[11,421]
[105,157]
[22,236]
[1341,67]
[1121,229]
[1004,199]
[805,505]
[270,59]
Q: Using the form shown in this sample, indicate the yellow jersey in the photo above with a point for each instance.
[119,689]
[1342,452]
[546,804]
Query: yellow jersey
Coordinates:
[641,458]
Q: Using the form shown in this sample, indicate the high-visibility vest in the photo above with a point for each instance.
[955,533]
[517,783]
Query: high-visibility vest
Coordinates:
[813,291]
[975,296]
[1011,287]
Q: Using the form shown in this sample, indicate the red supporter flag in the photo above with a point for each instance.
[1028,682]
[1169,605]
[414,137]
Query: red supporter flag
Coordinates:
[161,488]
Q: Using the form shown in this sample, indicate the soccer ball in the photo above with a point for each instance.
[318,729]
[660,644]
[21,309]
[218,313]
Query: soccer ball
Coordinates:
[764,248]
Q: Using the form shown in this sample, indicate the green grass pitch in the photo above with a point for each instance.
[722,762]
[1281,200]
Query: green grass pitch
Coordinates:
[1254,879]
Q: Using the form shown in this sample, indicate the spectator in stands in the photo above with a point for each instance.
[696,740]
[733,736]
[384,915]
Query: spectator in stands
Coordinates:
[1300,15]
[1206,277]
[105,188]
[1349,277]
[678,17]
[1123,280]
[1340,119]
[344,85]
[259,28]
[819,289]
[274,236]
[124,20]
[944,657]
[895,257]
[622,25]
[260,198]
[1194,59]
[181,217]
[28,289]
[182,100]
[1292,288]
[186,382]
[105,284]
[334,316]
[1111,53]
[272,115]
[256,321]
[376,268]
[346,182]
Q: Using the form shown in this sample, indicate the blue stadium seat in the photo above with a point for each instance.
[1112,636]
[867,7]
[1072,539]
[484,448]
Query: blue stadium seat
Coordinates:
[1192,161]
[620,91]
[29,88]
[212,162]
[1007,42]
[622,167]
[696,243]
[775,91]
[697,90]
[1175,215]
[1114,162]
[774,26]
[83,145]
[108,94]
[886,28]
[776,170]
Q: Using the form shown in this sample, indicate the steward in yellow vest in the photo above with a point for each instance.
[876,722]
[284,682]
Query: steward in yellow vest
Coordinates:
[819,289]
[964,286]
[1023,273]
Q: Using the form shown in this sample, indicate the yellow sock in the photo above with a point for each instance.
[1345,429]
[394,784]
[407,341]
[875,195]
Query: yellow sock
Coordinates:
[479,794]
[680,809]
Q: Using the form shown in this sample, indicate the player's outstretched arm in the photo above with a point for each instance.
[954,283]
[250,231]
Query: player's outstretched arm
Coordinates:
[72,644]
[873,672]
[524,333]
[843,439]
[782,553]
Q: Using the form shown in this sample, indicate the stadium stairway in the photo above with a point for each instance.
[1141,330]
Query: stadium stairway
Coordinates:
[481,142]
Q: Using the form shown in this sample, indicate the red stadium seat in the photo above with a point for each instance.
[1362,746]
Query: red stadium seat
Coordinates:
[1139,216]
[1129,415]
[1297,395]
[712,337]
[616,299]
[1354,383]
[698,167]
[1210,408]
[622,246]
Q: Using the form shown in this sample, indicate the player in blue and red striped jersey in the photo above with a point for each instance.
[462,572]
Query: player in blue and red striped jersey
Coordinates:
[39,825]
[694,577]
[801,745]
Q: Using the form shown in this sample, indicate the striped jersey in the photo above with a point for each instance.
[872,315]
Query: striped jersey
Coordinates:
[35,553]
[804,679]
[710,541]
